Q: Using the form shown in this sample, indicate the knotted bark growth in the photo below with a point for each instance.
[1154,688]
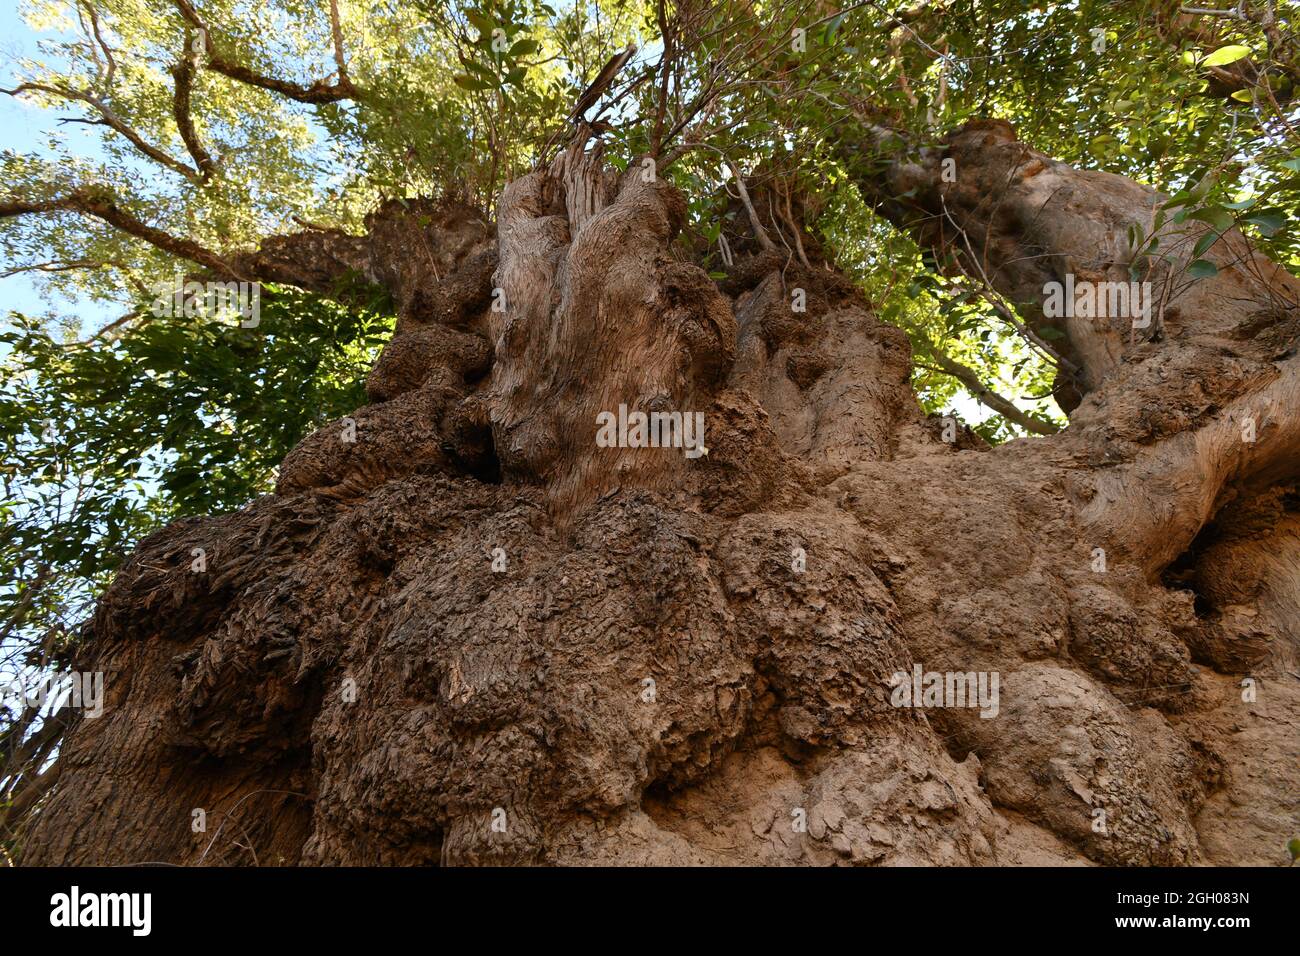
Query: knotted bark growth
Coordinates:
[594,313]
[1184,411]
[471,633]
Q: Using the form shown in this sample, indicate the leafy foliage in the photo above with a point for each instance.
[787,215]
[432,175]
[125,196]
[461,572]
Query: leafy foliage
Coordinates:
[174,417]
[104,443]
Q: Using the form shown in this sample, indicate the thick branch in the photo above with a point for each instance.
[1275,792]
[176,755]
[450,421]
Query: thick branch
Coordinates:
[183,73]
[110,119]
[1153,506]
[320,91]
[1188,397]
[988,205]
[98,204]
[991,399]
[315,260]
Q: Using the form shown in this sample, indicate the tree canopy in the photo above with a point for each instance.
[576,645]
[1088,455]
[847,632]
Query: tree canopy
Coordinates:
[183,134]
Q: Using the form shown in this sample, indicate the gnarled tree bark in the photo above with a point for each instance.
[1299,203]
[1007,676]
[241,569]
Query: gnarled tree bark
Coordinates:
[472,634]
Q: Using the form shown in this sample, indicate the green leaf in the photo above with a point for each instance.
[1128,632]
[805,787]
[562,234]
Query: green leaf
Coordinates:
[471,82]
[1294,849]
[1226,54]
[481,23]
[1216,216]
[1202,269]
[524,48]
[1268,222]
[833,27]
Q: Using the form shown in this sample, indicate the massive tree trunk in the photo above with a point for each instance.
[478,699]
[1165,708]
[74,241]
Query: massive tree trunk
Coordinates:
[474,634]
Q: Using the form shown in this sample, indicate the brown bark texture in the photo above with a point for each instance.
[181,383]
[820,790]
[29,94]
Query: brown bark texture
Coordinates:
[474,635]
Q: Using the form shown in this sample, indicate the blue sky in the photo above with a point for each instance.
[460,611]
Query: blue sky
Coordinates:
[25,128]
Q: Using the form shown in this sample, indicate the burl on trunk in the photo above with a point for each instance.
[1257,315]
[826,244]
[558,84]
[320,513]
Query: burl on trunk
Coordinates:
[464,630]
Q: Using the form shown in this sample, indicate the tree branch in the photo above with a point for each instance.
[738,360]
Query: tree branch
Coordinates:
[665,66]
[313,261]
[108,54]
[336,34]
[96,203]
[183,74]
[987,397]
[320,91]
[112,120]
